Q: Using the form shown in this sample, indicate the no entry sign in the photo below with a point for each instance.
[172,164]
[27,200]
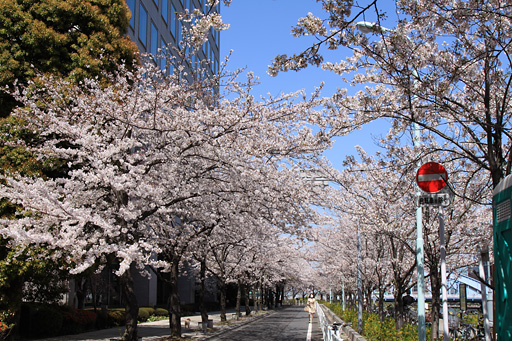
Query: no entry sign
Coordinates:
[431,177]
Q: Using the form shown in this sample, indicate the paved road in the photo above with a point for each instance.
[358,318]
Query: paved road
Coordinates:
[289,323]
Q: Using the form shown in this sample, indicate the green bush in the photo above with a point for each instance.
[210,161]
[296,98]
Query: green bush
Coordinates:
[145,313]
[78,321]
[161,312]
[374,329]
[47,321]
[116,317]
[410,333]
[102,320]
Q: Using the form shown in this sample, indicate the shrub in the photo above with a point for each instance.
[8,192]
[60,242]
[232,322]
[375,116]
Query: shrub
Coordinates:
[161,312]
[78,320]
[145,313]
[102,320]
[374,329]
[47,321]
[116,317]
[410,333]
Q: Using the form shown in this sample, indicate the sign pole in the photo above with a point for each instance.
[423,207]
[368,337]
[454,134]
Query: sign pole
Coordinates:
[359,285]
[484,257]
[431,178]
[422,330]
[444,288]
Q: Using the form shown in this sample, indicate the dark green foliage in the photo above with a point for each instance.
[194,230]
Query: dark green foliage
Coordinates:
[373,328]
[161,312]
[116,317]
[144,314]
[47,321]
[78,321]
[102,320]
[72,38]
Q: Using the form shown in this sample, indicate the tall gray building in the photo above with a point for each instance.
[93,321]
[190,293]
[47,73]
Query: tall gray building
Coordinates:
[154,24]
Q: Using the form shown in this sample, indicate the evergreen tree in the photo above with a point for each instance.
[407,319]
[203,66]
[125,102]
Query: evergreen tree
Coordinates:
[74,39]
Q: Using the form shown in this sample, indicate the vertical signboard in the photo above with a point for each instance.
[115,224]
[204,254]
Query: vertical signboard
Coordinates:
[502,233]
[463,297]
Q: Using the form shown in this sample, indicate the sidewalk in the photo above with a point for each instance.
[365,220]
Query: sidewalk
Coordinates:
[153,331]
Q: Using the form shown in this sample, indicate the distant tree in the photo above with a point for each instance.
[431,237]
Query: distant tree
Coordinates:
[74,39]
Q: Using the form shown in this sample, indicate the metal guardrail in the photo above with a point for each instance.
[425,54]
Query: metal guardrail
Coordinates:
[330,332]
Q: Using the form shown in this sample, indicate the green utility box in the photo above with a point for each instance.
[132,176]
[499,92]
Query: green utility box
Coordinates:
[502,222]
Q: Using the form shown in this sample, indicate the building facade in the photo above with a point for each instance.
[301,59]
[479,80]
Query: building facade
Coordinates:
[155,24]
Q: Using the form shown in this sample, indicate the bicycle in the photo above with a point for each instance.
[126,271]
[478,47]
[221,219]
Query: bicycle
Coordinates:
[410,315]
[480,329]
[466,331]
[460,330]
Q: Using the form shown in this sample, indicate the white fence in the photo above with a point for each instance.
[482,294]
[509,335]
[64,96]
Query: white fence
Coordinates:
[331,332]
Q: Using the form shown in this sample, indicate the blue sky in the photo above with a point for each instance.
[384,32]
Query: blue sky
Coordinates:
[260,30]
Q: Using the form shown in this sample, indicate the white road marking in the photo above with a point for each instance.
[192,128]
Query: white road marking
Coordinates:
[310,331]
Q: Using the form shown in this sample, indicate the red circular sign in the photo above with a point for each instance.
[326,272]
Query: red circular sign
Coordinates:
[431,177]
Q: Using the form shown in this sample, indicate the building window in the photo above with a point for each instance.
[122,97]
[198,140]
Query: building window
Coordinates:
[163,54]
[206,49]
[154,41]
[178,36]
[131,6]
[165,10]
[174,16]
[143,22]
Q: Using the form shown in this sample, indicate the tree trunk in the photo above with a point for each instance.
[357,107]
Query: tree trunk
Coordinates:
[80,291]
[202,307]
[131,306]
[381,304]
[222,288]
[280,294]
[262,296]
[399,307]
[254,298]
[14,303]
[267,303]
[247,301]
[435,287]
[369,306]
[238,299]
[175,308]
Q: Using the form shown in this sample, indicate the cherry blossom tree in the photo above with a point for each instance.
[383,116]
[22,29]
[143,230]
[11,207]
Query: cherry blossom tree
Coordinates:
[444,66]
[150,159]
[376,196]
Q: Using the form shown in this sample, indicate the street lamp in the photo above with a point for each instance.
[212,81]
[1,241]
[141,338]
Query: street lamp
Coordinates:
[368,27]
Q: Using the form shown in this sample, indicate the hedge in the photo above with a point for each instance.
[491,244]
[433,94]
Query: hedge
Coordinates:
[42,320]
[374,329]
